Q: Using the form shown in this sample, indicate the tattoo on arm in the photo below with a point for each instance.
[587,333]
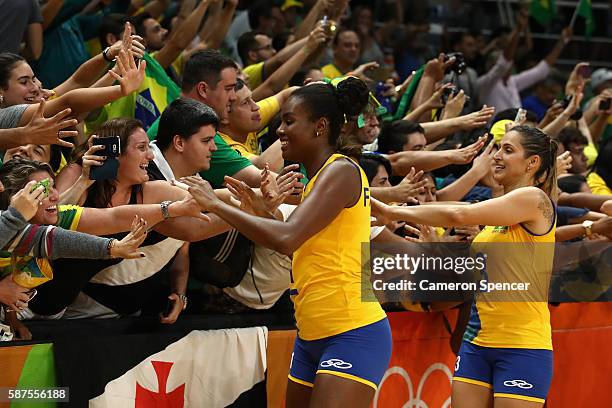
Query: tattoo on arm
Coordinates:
[545,206]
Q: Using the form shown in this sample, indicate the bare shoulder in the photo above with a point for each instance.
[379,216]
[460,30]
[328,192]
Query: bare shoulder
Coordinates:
[535,199]
[545,207]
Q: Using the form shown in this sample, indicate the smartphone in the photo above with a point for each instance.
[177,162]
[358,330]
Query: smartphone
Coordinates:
[112,150]
[112,146]
[107,171]
[604,104]
[45,184]
[584,71]
[521,114]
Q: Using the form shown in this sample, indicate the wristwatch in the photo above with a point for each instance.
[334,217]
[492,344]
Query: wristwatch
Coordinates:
[105,54]
[165,209]
[588,227]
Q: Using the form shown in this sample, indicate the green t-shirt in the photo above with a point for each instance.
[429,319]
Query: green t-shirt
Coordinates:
[225,161]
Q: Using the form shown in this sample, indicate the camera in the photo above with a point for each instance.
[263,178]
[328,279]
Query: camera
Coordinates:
[604,104]
[565,103]
[450,92]
[329,26]
[459,65]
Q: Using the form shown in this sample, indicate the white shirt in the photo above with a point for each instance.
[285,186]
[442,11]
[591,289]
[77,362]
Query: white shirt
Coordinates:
[506,95]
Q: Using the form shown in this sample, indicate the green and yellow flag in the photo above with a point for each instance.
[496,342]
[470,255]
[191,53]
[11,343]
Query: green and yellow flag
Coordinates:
[156,92]
[543,10]
[585,10]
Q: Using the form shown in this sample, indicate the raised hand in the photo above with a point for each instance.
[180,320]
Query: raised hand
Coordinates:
[551,114]
[410,186]
[288,173]
[575,78]
[130,76]
[129,42]
[564,163]
[250,201]
[483,162]
[127,248]
[276,190]
[27,200]
[436,67]
[202,192]
[315,39]
[574,104]
[466,154]
[361,71]
[49,131]
[477,119]
[454,106]
[187,207]
[91,159]
[435,100]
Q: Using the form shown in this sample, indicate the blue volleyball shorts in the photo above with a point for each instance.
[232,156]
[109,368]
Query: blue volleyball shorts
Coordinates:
[361,354]
[523,374]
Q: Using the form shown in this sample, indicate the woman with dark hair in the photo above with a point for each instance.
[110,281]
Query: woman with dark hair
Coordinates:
[126,288]
[344,344]
[16,173]
[506,342]
[377,169]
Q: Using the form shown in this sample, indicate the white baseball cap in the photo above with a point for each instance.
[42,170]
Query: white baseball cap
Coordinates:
[601,76]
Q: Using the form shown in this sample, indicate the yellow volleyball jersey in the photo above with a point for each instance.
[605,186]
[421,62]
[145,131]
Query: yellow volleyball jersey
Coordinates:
[326,271]
[520,319]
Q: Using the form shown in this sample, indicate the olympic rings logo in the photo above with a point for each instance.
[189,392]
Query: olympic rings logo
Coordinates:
[518,383]
[415,401]
[336,363]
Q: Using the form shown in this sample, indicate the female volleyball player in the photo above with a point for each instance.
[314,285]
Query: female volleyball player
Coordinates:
[344,344]
[506,355]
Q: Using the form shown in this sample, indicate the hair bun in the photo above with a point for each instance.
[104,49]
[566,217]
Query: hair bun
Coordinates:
[353,95]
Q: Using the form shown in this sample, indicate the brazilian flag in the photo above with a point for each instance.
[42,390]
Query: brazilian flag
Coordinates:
[156,92]
[543,10]
[585,10]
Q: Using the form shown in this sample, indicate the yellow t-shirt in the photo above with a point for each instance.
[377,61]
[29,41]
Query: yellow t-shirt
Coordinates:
[598,185]
[326,278]
[330,71]
[255,74]
[513,319]
[250,148]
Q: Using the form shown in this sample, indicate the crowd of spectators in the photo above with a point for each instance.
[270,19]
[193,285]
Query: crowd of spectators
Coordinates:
[104,104]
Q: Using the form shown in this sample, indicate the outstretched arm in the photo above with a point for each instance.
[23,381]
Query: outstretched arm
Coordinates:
[87,99]
[530,205]
[318,210]
[180,39]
